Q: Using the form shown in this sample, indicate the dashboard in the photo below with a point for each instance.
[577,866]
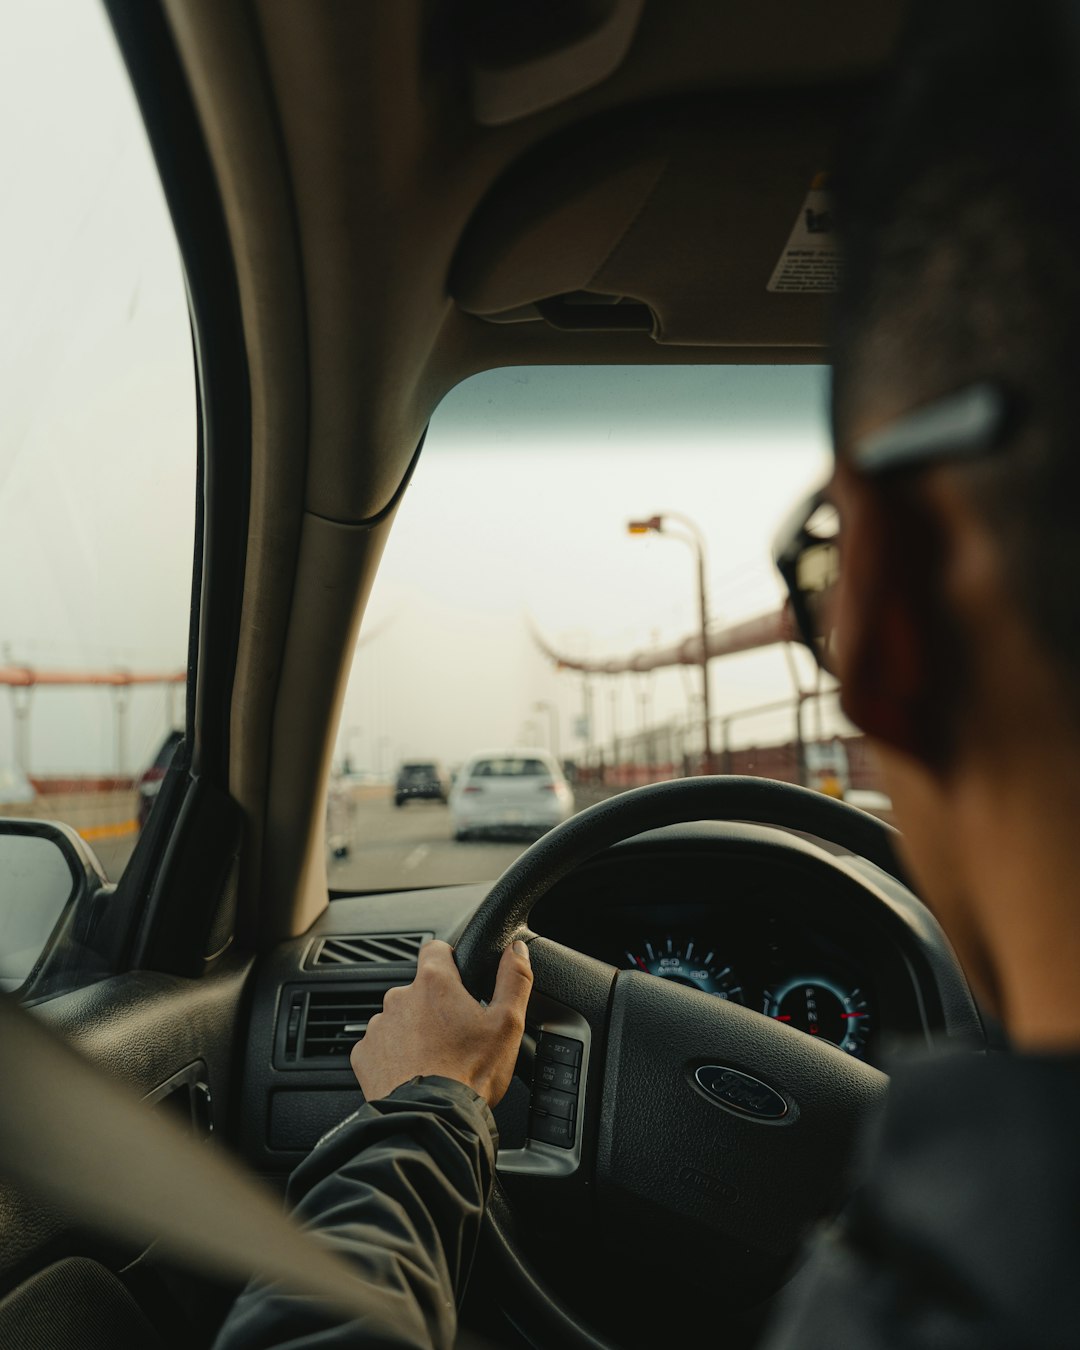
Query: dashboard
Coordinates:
[785,924]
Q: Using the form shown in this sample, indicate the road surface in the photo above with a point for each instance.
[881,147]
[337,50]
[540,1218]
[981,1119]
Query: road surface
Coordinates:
[389,848]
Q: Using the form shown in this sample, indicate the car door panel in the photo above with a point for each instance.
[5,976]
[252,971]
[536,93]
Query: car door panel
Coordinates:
[149,1030]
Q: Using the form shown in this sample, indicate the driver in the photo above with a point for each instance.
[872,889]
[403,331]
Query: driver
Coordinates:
[948,609]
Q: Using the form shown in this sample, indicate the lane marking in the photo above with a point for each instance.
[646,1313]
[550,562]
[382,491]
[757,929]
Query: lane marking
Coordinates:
[416,857]
[118,830]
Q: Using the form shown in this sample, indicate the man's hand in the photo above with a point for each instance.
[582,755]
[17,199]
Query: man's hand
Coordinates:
[435,1026]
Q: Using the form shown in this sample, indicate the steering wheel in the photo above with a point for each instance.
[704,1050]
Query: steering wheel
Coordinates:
[703,1133]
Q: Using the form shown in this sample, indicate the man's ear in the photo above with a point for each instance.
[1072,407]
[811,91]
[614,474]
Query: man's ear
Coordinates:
[895,651]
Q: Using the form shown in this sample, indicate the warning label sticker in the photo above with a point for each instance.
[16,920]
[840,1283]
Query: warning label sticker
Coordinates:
[811,260]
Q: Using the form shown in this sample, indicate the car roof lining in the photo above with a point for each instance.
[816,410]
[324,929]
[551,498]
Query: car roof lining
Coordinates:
[352,166]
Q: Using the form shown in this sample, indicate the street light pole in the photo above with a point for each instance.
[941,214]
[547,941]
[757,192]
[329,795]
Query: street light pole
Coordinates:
[644,702]
[587,712]
[20,702]
[553,725]
[613,698]
[657,525]
[350,764]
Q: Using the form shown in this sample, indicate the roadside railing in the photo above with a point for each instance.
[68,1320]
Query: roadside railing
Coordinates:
[804,739]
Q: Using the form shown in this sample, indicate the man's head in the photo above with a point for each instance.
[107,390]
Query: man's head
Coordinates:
[960,207]
[958,641]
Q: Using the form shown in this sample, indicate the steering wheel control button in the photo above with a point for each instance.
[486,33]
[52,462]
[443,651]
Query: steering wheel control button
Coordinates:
[555,1089]
[560,1076]
[740,1092]
[552,1103]
[552,1130]
[559,1050]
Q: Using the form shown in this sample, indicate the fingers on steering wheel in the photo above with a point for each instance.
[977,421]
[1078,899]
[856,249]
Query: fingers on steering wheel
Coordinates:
[436,958]
[513,983]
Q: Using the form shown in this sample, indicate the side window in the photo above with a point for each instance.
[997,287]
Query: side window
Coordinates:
[97,444]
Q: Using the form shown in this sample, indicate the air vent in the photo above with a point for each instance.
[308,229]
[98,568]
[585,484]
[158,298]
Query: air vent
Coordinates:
[335,1022]
[365,950]
[321,1026]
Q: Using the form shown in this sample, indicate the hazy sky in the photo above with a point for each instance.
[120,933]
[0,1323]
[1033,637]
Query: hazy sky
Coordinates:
[517,513]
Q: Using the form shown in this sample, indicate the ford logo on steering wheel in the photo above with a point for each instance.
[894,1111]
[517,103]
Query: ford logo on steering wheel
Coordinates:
[739,1092]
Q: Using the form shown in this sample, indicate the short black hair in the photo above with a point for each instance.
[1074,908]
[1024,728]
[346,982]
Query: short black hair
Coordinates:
[958,205]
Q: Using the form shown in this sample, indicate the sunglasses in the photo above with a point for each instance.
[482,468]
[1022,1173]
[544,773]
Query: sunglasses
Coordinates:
[965,425]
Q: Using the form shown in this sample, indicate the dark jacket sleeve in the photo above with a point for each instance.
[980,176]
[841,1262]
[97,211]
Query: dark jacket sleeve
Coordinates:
[400,1189]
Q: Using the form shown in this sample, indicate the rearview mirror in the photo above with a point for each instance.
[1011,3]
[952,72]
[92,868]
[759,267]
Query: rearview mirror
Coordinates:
[45,868]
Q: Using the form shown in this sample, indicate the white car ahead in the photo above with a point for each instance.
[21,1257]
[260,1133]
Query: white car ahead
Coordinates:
[510,792]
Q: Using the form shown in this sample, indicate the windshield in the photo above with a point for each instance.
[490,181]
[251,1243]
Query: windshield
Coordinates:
[536,624]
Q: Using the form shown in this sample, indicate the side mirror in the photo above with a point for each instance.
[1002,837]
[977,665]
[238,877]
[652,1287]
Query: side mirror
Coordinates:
[46,869]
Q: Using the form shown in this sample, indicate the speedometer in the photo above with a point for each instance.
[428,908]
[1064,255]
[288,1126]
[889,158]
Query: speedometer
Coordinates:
[688,962]
[821,1007]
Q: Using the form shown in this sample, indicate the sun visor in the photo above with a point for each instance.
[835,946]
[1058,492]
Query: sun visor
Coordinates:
[716,233]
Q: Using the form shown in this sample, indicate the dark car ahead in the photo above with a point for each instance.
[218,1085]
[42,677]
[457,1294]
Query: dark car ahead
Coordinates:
[419,779]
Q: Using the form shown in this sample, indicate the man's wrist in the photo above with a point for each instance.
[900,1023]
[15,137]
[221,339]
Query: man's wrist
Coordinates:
[442,1081]
[429,1089]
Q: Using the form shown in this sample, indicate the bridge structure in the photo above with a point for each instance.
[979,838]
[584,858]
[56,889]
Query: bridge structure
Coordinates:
[22,681]
[809,754]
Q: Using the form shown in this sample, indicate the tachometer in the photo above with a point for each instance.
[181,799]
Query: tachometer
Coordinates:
[821,1007]
[687,962]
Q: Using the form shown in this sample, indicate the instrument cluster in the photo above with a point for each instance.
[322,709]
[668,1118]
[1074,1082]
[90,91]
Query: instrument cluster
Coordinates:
[794,942]
[788,978]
